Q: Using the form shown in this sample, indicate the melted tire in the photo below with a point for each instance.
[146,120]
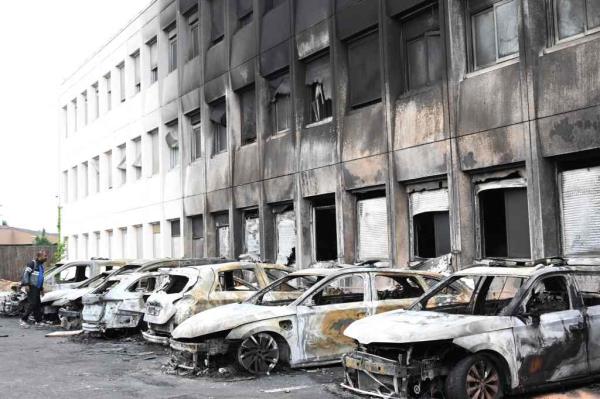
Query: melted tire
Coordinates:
[475,377]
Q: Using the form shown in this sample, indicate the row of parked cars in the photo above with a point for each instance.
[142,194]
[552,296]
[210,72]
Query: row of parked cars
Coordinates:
[481,332]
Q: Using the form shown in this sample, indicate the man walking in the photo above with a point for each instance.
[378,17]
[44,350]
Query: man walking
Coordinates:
[33,283]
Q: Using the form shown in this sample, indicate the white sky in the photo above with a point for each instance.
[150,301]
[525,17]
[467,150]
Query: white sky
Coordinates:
[41,43]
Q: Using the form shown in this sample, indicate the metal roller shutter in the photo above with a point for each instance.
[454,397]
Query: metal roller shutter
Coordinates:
[429,201]
[580,207]
[372,229]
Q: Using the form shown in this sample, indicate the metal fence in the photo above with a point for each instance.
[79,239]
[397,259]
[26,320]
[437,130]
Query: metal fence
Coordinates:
[13,259]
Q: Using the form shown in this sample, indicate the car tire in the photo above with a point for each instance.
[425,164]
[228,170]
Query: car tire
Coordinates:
[258,354]
[471,375]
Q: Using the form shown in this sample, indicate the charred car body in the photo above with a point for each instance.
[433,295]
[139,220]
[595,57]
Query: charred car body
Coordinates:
[521,329]
[187,291]
[298,319]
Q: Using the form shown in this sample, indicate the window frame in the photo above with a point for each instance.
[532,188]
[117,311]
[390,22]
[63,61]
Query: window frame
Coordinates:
[172,49]
[193,23]
[553,32]
[153,50]
[247,92]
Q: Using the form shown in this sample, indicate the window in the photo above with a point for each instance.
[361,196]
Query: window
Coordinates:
[96,100]
[108,82]
[222,234]
[172,33]
[324,229]
[343,289]
[248,115]
[364,70]
[96,174]
[391,287]
[175,238]
[65,186]
[137,160]
[109,243]
[272,4]
[285,233]
[122,165]
[109,170]
[196,135]
[84,98]
[372,224]
[75,114]
[194,30]
[172,139]
[197,236]
[280,108]
[74,274]
[549,295]
[251,233]
[217,20]
[139,241]
[122,90]
[218,118]
[575,17]
[153,56]
[495,33]
[84,179]
[504,223]
[75,183]
[155,151]
[244,12]
[430,224]
[155,239]
[238,280]
[423,47]
[123,234]
[137,78]
[319,89]
[144,285]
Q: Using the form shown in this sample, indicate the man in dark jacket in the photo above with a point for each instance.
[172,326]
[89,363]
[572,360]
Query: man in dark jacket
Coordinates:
[33,283]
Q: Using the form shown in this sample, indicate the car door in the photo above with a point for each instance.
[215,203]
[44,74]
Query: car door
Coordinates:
[394,291]
[588,285]
[550,333]
[324,315]
[233,284]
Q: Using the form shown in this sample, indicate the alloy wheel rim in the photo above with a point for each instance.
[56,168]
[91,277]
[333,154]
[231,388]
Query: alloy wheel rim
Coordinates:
[259,353]
[483,381]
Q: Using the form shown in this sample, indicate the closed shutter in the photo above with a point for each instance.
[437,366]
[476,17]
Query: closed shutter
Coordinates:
[429,201]
[581,211]
[372,229]
[286,235]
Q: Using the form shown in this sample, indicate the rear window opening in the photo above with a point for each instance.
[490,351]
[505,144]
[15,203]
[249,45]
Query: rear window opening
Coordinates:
[174,284]
[144,285]
[238,280]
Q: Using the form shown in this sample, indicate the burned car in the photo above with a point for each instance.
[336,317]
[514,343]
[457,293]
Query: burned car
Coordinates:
[522,328]
[297,320]
[186,291]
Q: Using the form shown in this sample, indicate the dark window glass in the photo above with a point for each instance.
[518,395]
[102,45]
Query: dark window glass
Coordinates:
[217,20]
[319,88]
[247,108]
[364,70]
[325,233]
[197,227]
[175,228]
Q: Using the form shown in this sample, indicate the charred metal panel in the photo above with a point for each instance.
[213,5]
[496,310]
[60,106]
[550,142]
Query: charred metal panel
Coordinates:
[194,205]
[496,147]
[190,78]
[246,167]
[217,175]
[356,18]
[396,7]
[215,89]
[318,181]
[422,161]
[242,75]
[366,172]
[419,118]
[187,5]
[219,200]
[363,133]
[280,155]
[311,12]
[216,61]
[280,189]
[168,112]
[570,132]
[247,195]
[168,15]
[243,45]
[569,79]
[276,27]
[275,59]
[490,100]
[313,39]
[318,146]
[190,101]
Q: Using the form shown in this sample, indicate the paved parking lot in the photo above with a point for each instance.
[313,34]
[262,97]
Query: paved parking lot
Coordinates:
[34,366]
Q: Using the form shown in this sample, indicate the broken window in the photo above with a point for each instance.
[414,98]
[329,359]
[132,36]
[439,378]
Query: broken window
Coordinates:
[397,287]
[372,223]
[580,211]
[217,20]
[197,236]
[251,233]
[238,280]
[218,118]
[122,165]
[495,31]
[575,17]
[196,135]
[175,238]
[280,108]
[343,289]
[504,219]
[423,47]
[172,139]
[324,229]
[244,12]
[222,235]
[549,295]
[496,293]
[285,234]
[588,285]
[364,69]
[248,115]
[194,30]
[319,88]
[430,223]
[74,274]
[145,285]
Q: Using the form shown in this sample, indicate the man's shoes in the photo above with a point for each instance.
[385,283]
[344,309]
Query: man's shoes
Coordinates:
[23,324]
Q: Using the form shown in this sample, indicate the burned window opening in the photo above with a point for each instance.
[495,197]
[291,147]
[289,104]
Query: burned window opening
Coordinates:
[217,13]
[549,295]
[430,224]
[319,88]
[74,274]
[238,280]
[218,118]
[325,230]
[573,18]
[144,285]
[344,289]
[372,226]
[504,223]
[248,114]
[364,69]
[285,234]
[280,103]
[251,233]
[174,284]
[391,287]
[222,234]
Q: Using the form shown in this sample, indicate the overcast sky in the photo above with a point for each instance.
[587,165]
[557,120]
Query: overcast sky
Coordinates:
[41,43]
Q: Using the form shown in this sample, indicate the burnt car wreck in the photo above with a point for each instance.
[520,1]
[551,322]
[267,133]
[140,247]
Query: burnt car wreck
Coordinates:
[520,329]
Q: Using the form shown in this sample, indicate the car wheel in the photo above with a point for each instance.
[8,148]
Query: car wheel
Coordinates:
[475,377]
[259,353]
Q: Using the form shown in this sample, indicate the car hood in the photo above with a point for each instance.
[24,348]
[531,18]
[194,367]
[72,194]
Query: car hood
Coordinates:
[402,326]
[227,317]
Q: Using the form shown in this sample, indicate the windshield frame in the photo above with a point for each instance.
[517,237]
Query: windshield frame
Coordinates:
[319,277]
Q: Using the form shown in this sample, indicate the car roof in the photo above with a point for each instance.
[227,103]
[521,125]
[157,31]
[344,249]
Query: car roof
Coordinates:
[482,270]
[360,269]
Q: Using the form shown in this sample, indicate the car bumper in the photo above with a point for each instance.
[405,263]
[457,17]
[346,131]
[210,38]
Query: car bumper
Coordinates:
[154,338]
[187,355]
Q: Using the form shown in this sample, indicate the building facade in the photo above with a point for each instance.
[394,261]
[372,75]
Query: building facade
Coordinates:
[338,129]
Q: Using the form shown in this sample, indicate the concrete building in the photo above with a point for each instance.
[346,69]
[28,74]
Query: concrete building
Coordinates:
[344,129]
